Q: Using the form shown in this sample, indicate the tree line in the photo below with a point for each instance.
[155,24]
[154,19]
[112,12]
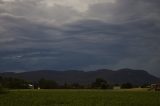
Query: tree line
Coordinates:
[99,83]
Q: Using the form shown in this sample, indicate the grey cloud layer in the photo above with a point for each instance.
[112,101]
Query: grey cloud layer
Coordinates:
[126,10]
[112,35]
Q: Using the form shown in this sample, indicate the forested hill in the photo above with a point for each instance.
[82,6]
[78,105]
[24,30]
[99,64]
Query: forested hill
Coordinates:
[137,77]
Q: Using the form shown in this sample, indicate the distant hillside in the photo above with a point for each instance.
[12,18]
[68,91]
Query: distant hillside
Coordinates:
[137,77]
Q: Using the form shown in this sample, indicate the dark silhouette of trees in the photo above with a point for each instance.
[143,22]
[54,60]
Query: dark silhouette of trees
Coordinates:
[35,85]
[100,83]
[126,86]
[77,86]
[47,84]
[66,86]
[145,85]
[13,83]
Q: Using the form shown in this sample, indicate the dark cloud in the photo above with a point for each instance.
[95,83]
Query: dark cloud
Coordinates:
[123,34]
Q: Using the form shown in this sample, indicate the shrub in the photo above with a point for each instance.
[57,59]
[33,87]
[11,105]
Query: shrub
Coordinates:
[126,86]
[100,83]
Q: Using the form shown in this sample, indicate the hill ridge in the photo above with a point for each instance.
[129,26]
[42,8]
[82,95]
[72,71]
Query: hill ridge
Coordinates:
[137,77]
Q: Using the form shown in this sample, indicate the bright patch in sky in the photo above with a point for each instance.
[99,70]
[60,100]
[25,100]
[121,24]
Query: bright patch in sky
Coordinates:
[79,5]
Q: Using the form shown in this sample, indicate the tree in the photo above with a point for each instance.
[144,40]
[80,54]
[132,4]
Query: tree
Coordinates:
[35,84]
[126,86]
[14,83]
[100,83]
[77,86]
[47,84]
[144,86]
[66,86]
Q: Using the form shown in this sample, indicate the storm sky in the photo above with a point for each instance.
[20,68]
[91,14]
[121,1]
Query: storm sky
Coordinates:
[79,34]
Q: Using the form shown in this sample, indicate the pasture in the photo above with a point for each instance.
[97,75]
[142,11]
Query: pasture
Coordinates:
[80,98]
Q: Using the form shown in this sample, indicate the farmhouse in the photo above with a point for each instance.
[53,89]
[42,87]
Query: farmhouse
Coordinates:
[30,86]
[155,87]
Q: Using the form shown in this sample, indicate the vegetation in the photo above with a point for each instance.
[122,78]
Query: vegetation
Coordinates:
[126,86]
[71,95]
[47,84]
[13,83]
[99,83]
[80,98]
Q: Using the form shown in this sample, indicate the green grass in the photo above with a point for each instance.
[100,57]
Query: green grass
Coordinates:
[79,98]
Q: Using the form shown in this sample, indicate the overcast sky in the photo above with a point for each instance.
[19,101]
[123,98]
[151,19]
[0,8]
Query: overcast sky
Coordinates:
[79,34]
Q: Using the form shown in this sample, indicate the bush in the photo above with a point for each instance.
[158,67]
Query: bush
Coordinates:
[126,86]
[100,84]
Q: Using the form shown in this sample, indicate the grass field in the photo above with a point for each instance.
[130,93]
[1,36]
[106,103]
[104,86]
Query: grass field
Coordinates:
[80,98]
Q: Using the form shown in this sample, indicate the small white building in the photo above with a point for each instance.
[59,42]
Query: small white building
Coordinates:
[31,86]
[156,86]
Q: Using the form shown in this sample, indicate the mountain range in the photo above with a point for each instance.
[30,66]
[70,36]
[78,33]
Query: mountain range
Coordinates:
[137,77]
